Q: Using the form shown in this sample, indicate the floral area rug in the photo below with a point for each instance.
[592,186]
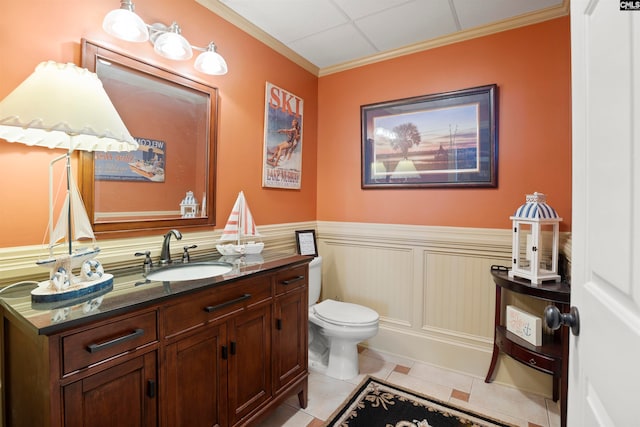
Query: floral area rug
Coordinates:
[376,403]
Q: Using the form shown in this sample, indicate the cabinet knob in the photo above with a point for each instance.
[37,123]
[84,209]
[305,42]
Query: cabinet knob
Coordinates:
[554,319]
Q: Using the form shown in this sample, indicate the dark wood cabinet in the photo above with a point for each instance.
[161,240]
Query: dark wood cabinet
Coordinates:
[125,394]
[195,380]
[290,336]
[249,362]
[552,357]
[213,355]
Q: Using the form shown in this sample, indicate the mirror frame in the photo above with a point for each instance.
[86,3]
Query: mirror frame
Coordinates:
[91,52]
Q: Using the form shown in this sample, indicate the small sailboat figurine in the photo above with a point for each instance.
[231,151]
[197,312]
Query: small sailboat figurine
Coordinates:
[241,230]
[73,224]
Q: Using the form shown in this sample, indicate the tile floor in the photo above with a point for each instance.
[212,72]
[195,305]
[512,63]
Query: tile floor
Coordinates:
[505,403]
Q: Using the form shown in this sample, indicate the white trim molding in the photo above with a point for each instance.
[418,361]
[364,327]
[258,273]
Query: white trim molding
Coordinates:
[18,263]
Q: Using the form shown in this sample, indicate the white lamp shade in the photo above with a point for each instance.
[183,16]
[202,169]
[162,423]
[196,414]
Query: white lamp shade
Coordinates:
[211,63]
[63,106]
[125,25]
[173,46]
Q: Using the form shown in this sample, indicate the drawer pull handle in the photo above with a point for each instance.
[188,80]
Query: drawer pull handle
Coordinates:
[290,281]
[93,348]
[151,388]
[532,361]
[212,308]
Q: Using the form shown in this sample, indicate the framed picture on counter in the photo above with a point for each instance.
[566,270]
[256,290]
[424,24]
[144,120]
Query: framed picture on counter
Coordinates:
[306,242]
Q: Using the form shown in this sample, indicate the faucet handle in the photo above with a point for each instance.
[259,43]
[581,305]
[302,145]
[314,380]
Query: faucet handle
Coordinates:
[185,255]
[148,262]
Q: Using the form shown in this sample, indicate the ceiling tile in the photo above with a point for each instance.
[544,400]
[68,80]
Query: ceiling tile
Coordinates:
[408,23]
[358,8]
[332,32]
[333,46]
[475,13]
[289,20]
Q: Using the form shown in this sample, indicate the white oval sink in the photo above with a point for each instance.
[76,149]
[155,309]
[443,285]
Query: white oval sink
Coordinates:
[176,273]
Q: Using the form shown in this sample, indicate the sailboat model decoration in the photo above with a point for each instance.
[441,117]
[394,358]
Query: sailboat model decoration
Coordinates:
[72,225]
[64,106]
[240,233]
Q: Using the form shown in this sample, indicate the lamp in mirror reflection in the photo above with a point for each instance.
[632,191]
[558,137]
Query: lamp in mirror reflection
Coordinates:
[167,41]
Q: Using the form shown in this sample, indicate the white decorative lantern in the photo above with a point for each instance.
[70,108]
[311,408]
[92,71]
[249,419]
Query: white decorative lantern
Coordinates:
[535,241]
[189,206]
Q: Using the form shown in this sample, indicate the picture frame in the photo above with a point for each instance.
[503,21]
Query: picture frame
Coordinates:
[442,140]
[306,242]
[283,131]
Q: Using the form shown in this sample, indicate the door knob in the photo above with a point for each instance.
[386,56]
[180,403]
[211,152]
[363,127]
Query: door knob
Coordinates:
[554,319]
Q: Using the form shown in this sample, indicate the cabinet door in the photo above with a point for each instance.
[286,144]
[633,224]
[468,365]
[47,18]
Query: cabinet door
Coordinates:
[289,338]
[195,379]
[249,361]
[122,395]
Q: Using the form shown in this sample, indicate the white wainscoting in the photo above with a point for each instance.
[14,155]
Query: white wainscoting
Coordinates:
[432,288]
[431,285]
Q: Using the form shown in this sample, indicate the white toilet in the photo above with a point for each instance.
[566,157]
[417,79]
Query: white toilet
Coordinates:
[335,329]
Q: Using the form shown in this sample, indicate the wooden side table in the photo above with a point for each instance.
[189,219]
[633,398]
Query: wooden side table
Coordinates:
[552,357]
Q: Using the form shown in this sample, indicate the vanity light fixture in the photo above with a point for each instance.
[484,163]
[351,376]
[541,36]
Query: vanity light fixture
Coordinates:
[167,41]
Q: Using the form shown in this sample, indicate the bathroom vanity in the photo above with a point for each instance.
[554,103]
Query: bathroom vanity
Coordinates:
[221,351]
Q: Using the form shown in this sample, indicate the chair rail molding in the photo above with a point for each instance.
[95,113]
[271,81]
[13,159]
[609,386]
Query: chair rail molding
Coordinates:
[18,263]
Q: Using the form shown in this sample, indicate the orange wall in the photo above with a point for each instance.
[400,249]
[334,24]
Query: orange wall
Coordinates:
[531,67]
[34,31]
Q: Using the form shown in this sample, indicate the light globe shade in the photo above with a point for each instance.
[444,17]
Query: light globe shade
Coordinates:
[173,46]
[63,106]
[125,25]
[212,63]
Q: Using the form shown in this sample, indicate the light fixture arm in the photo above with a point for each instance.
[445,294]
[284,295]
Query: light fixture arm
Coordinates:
[127,5]
[174,47]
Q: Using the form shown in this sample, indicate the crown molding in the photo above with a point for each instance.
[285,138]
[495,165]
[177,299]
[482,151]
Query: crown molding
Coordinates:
[231,16]
[531,18]
[459,36]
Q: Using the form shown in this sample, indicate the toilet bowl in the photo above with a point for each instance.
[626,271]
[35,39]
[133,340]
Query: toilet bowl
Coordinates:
[335,329]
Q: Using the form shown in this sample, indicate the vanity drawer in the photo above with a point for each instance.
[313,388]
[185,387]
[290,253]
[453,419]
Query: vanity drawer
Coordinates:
[214,303]
[290,279]
[536,360]
[90,346]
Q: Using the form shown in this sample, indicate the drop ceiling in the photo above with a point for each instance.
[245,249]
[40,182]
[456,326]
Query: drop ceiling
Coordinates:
[330,35]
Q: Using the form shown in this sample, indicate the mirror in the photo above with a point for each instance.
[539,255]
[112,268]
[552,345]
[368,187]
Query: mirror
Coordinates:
[169,181]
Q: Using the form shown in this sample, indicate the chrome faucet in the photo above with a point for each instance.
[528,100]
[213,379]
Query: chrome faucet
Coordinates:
[165,255]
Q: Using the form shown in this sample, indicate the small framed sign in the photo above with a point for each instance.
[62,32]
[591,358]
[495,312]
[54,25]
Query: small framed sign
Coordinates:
[525,325]
[306,241]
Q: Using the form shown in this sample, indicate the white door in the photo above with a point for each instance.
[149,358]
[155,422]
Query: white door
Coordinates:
[604,364]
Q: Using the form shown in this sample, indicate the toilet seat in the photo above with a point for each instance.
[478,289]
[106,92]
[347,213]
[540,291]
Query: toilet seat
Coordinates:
[345,314]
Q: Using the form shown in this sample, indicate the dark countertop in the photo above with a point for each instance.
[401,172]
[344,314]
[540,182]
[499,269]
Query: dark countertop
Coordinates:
[131,290]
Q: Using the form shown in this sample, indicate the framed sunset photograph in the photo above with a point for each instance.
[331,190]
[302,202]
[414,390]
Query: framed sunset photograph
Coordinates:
[441,140]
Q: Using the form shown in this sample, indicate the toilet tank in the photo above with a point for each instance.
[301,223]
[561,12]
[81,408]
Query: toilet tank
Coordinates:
[315,280]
